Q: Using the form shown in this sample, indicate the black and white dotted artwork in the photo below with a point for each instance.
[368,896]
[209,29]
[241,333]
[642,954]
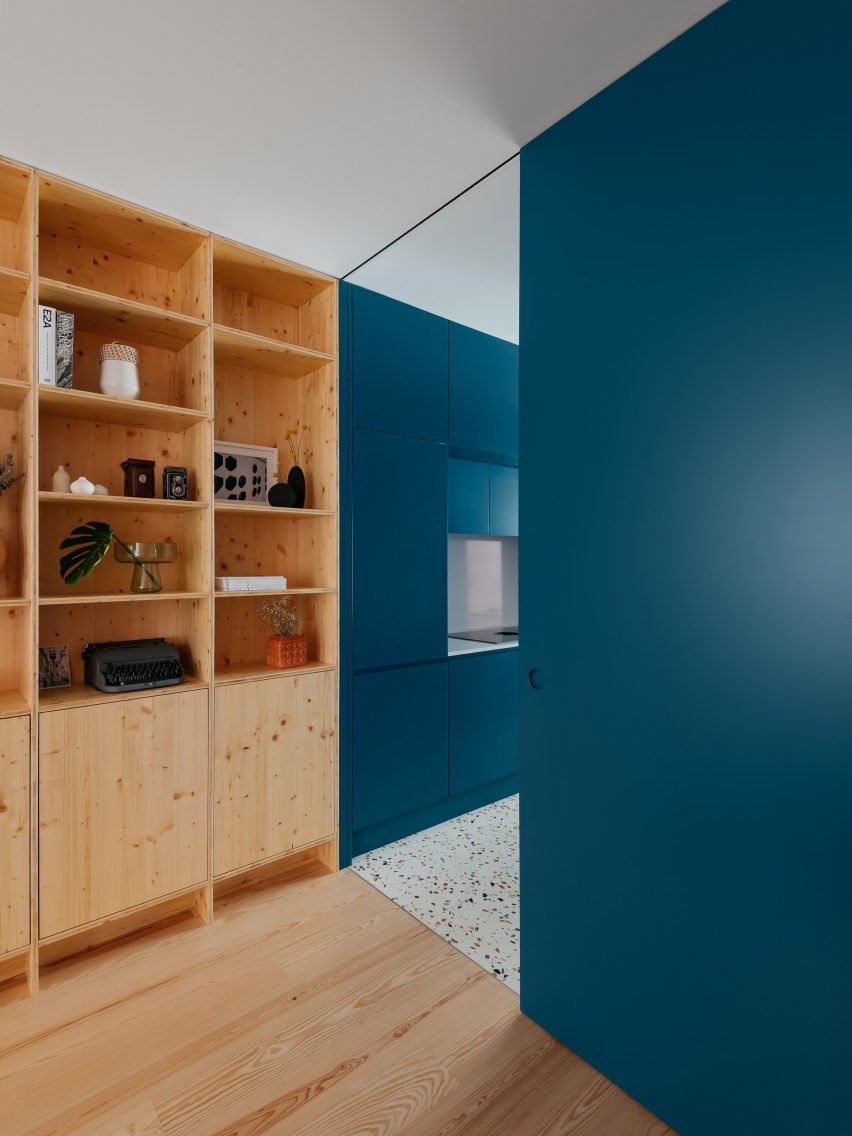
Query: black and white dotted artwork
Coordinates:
[240,477]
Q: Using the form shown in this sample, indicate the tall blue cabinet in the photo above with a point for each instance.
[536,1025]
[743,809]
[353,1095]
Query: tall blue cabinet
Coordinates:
[424,403]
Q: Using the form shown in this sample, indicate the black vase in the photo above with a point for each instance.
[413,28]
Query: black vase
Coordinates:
[296,481]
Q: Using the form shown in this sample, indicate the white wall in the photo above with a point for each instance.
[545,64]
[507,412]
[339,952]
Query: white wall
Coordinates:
[482,578]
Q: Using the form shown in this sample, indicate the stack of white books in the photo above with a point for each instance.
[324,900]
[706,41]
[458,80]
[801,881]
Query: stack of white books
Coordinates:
[251,584]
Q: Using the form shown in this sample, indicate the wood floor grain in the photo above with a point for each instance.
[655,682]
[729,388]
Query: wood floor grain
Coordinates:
[315,1008]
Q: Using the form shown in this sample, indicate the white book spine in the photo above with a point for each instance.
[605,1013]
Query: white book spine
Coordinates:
[47,345]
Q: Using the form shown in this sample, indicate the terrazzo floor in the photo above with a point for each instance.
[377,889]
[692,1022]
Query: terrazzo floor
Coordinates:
[461,879]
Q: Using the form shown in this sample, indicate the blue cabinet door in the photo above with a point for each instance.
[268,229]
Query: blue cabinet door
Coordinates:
[468,497]
[483,393]
[483,719]
[504,501]
[399,742]
[399,550]
[399,368]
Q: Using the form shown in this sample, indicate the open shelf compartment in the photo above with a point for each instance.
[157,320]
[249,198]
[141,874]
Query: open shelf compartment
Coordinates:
[241,637]
[16,194]
[258,293]
[109,246]
[184,622]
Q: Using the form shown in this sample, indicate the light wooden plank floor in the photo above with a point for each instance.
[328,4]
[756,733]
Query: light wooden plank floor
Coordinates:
[318,1008]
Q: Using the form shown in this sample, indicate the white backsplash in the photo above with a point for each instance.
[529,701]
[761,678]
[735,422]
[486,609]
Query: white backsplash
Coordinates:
[482,579]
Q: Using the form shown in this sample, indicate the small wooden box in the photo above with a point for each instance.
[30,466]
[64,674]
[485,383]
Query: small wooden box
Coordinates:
[283,651]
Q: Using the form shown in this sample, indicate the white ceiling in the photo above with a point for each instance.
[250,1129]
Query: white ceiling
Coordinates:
[318,130]
[463,262]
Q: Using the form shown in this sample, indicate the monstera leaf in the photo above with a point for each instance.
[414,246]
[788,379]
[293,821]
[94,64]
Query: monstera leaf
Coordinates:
[89,544]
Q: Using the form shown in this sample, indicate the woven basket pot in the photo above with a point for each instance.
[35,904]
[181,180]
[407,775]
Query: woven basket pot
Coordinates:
[284,651]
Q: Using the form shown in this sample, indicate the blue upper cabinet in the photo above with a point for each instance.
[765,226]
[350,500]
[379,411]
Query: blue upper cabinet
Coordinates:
[483,393]
[399,368]
[399,550]
[467,497]
[504,501]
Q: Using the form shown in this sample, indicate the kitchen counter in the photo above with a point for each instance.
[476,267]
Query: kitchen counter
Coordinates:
[471,647]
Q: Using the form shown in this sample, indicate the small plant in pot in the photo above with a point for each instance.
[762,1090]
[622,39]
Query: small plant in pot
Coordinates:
[284,648]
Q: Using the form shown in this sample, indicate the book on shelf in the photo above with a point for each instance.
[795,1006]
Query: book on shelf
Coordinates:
[55,347]
[251,584]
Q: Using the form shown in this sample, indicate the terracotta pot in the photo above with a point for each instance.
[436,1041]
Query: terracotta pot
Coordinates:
[283,651]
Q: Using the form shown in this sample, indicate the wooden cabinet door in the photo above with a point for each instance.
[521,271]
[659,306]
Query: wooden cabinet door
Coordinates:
[399,550]
[123,806]
[14,833]
[399,368]
[275,766]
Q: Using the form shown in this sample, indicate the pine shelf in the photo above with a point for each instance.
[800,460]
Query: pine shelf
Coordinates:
[14,601]
[80,694]
[269,510]
[12,393]
[249,672]
[13,290]
[260,353]
[12,704]
[118,597]
[88,406]
[119,504]
[287,592]
[115,317]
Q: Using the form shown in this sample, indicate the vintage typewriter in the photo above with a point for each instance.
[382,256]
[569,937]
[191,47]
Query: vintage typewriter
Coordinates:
[136,664]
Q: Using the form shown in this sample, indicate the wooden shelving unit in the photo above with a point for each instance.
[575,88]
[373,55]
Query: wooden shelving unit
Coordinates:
[236,345]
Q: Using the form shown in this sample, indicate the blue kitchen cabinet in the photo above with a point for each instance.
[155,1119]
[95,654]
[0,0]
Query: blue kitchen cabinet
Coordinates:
[483,719]
[399,550]
[399,368]
[400,737]
[468,497]
[483,393]
[503,520]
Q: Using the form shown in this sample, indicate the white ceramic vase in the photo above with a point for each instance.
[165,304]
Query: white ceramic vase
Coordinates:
[119,371]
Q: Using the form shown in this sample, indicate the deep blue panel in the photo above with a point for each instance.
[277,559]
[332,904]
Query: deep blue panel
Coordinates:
[686,578]
[483,719]
[504,501]
[483,392]
[377,835]
[399,550]
[399,741]
[399,367]
[468,497]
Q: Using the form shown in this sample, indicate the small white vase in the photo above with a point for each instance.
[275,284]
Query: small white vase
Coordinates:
[83,486]
[119,371]
[61,481]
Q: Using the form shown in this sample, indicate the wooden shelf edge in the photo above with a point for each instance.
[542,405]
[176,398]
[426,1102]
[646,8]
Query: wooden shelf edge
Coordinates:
[269,510]
[248,350]
[91,406]
[106,304]
[14,601]
[119,597]
[13,704]
[251,672]
[79,694]
[128,504]
[12,393]
[275,592]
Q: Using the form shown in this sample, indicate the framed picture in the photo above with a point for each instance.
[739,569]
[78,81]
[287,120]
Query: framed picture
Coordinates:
[54,667]
[243,473]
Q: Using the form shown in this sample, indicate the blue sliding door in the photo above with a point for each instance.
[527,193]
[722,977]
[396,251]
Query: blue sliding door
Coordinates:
[686,577]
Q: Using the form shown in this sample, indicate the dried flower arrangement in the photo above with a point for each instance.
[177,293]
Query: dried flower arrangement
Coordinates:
[285,648]
[294,441]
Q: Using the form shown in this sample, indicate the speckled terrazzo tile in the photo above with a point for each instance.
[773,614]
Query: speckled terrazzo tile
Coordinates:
[461,879]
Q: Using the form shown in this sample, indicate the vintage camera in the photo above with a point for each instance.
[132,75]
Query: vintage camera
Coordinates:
[175,483]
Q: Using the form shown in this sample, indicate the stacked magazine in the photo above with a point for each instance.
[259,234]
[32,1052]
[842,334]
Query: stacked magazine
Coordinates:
[251,584]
